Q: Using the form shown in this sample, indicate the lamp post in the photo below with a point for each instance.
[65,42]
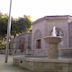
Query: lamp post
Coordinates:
[8,33]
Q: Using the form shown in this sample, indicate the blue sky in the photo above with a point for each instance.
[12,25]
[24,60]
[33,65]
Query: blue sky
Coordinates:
[37,8]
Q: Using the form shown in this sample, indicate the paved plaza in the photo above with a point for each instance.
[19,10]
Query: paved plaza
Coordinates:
[9,67]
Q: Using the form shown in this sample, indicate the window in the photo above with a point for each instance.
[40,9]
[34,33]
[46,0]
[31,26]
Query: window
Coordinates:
[37,39]
[38,44]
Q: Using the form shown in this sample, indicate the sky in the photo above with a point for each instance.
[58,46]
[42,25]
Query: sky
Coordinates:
[37,8]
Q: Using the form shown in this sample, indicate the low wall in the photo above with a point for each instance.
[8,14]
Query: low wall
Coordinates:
[65,52]
[44,64]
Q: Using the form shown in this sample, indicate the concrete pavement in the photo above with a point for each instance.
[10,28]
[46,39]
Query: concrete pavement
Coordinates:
[9,67]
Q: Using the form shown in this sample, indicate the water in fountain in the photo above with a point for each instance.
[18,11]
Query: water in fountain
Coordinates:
[54,31]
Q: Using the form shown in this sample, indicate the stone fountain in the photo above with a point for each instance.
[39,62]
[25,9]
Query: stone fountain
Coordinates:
[49,64]
[53,42]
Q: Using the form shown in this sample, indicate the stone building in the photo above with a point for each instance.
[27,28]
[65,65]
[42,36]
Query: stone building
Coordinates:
[43,27]
[21,44]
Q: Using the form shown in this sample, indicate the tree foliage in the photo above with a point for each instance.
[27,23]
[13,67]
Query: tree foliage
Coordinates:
[20,25]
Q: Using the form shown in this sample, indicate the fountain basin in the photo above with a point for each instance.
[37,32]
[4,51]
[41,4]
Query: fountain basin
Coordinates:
[45,64]
[53,39]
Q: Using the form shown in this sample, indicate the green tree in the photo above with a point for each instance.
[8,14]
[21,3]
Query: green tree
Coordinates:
[3,24]
[20,25]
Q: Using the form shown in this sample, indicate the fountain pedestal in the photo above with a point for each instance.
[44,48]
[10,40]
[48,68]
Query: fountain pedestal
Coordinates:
[53,46]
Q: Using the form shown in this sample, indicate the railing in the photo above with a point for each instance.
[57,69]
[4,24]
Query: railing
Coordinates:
[39,52]
[63,52]
[66,52]
[31,52]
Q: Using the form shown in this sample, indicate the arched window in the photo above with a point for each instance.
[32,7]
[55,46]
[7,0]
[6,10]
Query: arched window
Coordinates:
[37,38]
[37,34]
[22,44]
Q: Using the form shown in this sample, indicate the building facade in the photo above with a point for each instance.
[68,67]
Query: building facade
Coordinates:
[21,44]
[42,28]
[35,44]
